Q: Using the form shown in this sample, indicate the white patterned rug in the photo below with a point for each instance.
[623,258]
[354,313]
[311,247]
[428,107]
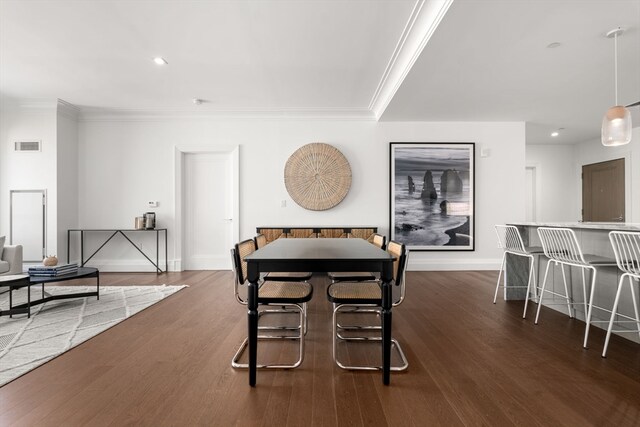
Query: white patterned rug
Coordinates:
[59,325]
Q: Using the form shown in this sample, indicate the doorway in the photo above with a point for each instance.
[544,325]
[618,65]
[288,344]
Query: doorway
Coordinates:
[207,203]
[603,191]
[27,223]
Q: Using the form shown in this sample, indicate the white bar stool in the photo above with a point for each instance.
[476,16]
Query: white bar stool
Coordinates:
[626,246]
[510,241]
[561,246]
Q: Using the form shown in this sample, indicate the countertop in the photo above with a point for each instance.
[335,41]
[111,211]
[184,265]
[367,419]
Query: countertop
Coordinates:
[607,226]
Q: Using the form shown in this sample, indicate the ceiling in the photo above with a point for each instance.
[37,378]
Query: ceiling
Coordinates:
[487,60]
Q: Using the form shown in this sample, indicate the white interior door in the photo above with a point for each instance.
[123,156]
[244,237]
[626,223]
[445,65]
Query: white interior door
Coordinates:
[207,221]
[27,219]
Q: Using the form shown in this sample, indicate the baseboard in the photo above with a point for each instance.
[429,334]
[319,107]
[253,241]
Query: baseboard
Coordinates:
[452,265]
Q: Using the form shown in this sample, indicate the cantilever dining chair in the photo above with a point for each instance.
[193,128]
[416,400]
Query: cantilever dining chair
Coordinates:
[289,276]
[510,241]
[367,295]
[626,247]
[562,248]
[358,276]
[287,294]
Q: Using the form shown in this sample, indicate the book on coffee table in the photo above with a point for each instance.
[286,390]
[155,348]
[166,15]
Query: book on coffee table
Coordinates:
[52,271]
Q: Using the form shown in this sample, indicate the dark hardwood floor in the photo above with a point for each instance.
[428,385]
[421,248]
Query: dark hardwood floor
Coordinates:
[471,363]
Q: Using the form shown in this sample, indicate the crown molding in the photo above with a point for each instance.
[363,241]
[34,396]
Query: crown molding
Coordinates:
[422,23]
[68,110]
[133,115]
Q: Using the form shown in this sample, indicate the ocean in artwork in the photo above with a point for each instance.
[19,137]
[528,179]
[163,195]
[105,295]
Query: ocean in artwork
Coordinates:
[431,184]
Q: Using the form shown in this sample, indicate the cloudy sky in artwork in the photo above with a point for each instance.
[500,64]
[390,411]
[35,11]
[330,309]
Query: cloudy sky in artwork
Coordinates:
[409,159]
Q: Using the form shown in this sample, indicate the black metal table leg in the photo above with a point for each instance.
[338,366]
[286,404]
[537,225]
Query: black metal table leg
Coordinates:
[252,321]
[386,322]
[166,252]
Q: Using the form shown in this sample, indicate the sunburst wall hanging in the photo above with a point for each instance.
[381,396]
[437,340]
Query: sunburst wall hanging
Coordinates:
[317,176]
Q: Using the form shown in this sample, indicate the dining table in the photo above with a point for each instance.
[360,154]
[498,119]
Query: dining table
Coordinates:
[319,255]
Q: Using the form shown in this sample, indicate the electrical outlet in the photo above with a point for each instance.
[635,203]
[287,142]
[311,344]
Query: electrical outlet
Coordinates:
[152,204]
[283,204]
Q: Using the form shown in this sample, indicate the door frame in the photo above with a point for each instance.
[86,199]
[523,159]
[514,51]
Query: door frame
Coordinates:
[179,153]
[44,219]
[537,180]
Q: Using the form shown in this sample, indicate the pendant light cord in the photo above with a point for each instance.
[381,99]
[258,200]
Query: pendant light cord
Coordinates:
[615,61]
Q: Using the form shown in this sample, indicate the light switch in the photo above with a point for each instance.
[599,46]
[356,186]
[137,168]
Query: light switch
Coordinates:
[283,204]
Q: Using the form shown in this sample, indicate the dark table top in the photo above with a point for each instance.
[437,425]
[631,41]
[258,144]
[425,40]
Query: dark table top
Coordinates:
[319,250]
[82,272]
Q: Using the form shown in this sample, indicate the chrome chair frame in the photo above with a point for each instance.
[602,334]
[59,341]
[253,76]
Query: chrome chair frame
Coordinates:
[626,247]
[510,241]
[561,246]
[399,273]
[287,307]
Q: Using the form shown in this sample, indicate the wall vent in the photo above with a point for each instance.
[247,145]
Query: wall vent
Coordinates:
[28,146]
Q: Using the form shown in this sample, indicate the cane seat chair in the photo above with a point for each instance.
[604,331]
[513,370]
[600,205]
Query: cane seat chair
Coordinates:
[286,294]
[358,276]
[626,247]
[261,241]
[561,246]
[368,295]
[510,241]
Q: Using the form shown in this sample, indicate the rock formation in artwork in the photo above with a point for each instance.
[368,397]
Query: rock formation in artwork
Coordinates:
[428,189]
[412,185]
[450,182]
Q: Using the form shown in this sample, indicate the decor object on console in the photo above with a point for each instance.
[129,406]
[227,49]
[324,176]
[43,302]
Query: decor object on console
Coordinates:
[616,124]
[50,261]
[317,176]
[432,195]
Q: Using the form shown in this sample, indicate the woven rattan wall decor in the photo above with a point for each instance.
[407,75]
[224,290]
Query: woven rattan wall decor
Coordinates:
[317,176]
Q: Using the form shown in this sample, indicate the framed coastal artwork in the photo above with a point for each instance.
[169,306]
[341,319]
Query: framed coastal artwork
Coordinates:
[432,196]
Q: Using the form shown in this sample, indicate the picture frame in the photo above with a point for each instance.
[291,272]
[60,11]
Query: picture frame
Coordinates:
[432,195]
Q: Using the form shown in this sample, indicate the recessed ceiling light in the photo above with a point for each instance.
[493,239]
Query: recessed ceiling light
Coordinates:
[554,45]
[554,134]
[160,60]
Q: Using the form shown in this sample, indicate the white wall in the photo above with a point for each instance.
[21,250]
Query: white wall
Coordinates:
[125,162]
[30,170]
[67,175]
[499,180]
[556,184]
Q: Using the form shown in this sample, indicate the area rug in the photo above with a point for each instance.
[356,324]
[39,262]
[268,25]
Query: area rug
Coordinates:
[59,325]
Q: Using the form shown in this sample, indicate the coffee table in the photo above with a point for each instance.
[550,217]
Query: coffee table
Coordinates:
[16,281]
[83,272]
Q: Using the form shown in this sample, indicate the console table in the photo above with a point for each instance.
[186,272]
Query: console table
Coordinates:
[123,232]
[273,233]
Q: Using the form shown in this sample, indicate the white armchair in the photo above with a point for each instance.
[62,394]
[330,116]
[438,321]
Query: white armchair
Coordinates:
[11,260]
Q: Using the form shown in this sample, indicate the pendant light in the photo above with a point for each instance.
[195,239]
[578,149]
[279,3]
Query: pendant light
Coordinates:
[616,124]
